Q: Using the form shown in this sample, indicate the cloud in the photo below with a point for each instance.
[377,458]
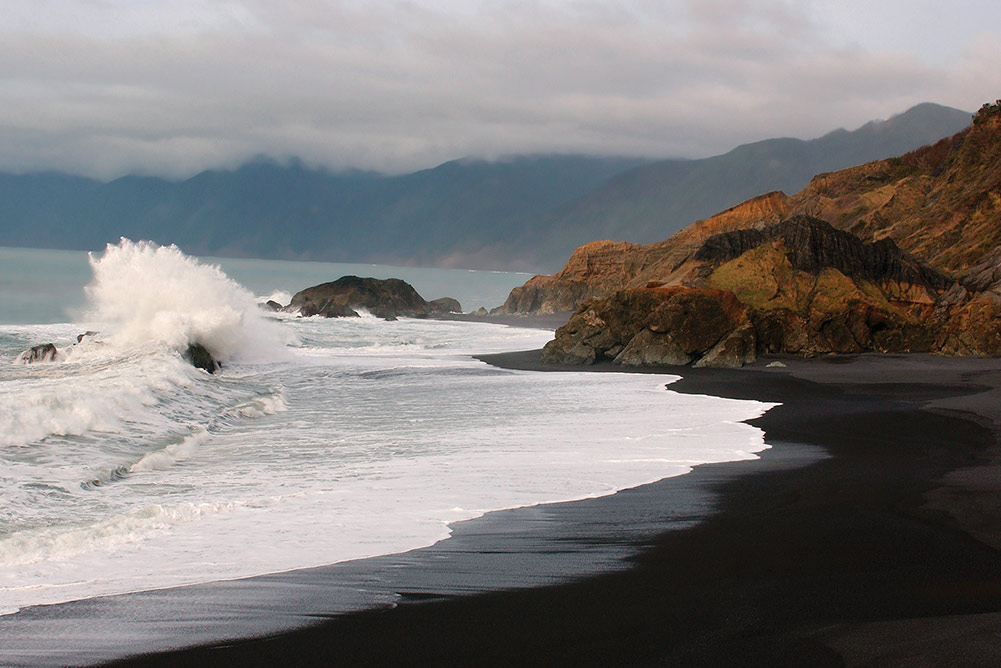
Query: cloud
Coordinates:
[112,87]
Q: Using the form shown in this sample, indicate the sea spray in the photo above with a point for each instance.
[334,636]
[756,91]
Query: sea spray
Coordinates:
[147,303]
[146,293]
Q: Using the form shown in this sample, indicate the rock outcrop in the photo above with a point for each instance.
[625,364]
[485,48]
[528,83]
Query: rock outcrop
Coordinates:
[383,298]
[896,255]
[45,352]
[801,287]
[389,298]
[655,327]
[271,306]
[941,203]
[812,245]
[601,268]
[444,306]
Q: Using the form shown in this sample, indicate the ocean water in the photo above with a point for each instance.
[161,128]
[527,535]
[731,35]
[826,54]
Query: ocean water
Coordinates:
[123,468]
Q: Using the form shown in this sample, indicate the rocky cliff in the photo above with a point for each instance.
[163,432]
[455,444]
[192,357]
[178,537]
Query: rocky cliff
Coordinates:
[941,202]
[800,286]
[600,268]
[896,255]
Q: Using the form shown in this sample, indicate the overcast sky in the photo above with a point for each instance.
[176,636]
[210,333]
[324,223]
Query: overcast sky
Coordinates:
[107,87]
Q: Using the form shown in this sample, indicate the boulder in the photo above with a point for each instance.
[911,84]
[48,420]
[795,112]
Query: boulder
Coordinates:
[650,348]
[733,351]
[444,306]
[200,357]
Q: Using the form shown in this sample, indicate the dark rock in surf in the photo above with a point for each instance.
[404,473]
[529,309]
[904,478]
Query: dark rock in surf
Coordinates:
[45,352]
[326,310]
[444,306]
[201,358]
[272,306]
[383,298]
[81,337]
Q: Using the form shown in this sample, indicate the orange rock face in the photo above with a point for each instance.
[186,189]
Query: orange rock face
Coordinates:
[804,289]
[940,202]
[657,326]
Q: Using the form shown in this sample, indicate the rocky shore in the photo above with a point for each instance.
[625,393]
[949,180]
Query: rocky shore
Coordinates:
[800,286]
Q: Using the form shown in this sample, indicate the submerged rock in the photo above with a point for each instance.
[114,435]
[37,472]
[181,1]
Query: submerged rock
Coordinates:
[200,357]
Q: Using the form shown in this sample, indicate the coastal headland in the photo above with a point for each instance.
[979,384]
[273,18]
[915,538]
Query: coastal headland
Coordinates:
[885,551]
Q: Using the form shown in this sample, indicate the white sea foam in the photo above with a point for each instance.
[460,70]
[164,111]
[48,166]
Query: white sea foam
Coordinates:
[147,303]
[60,543]
[170,454]
[150,293]
[88,393]
[282,297]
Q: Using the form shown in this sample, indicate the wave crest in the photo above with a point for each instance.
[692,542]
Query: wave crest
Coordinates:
[147,293]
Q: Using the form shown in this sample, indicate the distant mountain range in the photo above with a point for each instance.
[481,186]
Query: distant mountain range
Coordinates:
[527,212]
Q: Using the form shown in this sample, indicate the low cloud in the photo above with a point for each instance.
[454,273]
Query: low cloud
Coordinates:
[396,86]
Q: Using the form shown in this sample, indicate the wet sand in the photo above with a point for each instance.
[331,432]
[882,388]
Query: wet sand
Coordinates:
[551,321]
[884,551]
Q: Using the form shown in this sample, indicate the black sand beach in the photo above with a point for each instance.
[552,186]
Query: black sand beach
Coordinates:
[884,553]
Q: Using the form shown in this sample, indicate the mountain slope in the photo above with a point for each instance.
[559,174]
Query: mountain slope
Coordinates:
[461,210]
[940,202]
[653,201]
[525,213]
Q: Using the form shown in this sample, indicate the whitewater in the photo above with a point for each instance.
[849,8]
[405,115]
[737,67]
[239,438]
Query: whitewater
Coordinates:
[123,468]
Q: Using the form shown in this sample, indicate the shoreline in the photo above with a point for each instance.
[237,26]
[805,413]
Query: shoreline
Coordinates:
[549,321]
[100,628]
[888,549]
